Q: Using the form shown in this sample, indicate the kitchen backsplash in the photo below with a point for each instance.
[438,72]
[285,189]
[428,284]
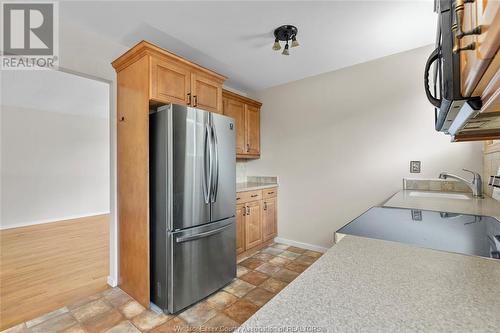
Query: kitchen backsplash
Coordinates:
[241,172]
[491,162]
[434,185]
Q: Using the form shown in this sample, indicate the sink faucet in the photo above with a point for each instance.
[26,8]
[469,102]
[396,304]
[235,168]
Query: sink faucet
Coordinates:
[476,184]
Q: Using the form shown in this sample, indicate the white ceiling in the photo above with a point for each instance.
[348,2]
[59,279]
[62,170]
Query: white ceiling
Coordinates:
[235,38]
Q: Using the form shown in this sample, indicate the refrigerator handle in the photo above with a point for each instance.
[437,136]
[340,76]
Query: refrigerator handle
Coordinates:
[207,154]
[215,180]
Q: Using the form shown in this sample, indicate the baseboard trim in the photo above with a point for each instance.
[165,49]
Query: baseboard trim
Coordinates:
[58,219]
[300,244]
[112,282]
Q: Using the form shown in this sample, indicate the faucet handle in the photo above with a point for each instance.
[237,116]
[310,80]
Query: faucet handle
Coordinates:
[475,174]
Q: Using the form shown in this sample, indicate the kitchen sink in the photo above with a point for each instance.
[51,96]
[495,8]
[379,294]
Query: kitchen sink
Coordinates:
[441,195]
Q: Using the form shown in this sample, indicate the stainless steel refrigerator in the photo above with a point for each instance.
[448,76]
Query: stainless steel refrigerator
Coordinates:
[192,205]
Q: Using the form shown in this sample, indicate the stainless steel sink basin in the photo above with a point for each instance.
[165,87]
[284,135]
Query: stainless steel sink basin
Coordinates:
[439,195]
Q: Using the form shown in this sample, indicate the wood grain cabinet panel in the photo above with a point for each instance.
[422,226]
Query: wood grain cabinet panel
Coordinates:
[269,219]
[253,224]
[246,113]
[253,130]
[240,228]
[171,83]
[207,93]
[236,110]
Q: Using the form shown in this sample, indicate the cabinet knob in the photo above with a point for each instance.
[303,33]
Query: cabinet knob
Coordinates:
[189,99]
[254,195]
[195,100]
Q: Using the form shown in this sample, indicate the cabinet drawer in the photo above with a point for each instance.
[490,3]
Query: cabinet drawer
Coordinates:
[242,197]
[270,192]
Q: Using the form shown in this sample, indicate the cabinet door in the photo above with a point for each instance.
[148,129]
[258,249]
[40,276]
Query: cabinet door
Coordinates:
[207,93]
[253,130]
[236,110]
[170,83]
[240,228]
[269,219]
[253,224]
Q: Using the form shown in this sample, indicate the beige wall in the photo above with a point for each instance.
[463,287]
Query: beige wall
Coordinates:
[341,142]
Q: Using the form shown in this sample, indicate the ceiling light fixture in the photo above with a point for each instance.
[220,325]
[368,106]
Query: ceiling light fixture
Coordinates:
[284,34]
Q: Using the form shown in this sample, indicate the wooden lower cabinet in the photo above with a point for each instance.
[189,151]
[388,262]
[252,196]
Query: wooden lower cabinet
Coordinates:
[269,219]
[240,228]
[253,224]
[256,219]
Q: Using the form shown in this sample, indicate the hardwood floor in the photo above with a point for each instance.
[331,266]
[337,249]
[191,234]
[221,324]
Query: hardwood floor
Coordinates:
[45,266]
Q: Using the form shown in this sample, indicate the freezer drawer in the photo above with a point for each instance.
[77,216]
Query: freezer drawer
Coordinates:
[203,259]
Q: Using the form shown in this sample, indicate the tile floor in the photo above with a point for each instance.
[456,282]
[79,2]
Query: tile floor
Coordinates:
[259,278]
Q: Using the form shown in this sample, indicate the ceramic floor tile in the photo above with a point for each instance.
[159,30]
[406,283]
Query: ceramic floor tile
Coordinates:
[305,260]
[222,299]
[241,310]
[239,288]
[74,329]
[148,320]
[259,296]
[268,269]
[174,325]
[263,256]
[103,321]
[123,327]
[313,254]
[279,261]
[288,255]
[131,309]
[254,277]
[84,301]
[296,267]
[45,317]
[56,324]
[285,275]
[251,263]
[295,249]
[219,323]
[273,285]
[117,297]
[90,310]
[198,314]
[272,251]
[240,270]
[280,246]
[21,328]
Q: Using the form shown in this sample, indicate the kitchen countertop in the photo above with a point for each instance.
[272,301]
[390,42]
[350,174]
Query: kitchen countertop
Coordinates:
[251,186]
[364,284]
[486,206]
[371,285]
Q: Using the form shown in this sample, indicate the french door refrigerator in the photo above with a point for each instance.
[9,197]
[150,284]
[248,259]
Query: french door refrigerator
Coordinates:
[192,205]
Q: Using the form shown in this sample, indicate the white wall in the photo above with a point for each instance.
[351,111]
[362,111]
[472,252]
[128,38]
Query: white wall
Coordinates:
[341,142]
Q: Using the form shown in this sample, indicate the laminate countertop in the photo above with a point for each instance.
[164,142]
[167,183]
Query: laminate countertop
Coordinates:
[369,285]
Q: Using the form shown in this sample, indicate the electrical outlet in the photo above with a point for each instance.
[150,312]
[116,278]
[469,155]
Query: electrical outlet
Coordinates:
[415,166]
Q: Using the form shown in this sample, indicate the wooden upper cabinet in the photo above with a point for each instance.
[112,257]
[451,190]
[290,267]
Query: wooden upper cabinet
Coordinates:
[246,113]
[206,93]
[170,83]
[236,110]
[475,63]
[253,130]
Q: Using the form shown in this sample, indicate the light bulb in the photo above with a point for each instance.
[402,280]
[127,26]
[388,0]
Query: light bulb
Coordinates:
[294,42]
[285,50]
[276,45]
